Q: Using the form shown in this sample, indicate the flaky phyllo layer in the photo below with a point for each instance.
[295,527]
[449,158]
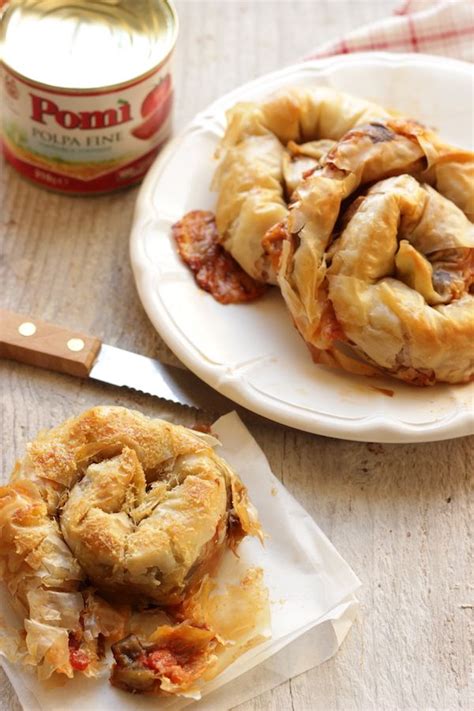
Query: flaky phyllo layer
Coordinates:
[111,530]
[364,221]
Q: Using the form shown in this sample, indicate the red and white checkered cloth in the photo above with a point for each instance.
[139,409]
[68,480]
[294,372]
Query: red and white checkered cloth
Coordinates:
[443,27]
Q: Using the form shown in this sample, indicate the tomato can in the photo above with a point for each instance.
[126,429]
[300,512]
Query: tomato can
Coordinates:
[87,90]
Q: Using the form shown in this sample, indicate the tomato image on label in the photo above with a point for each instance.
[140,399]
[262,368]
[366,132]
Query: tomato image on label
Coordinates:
[155,109]
[156,96]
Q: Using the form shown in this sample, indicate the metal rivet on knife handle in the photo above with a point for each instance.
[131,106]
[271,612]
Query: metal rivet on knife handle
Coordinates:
[27,328]
[41,344]
[76,345]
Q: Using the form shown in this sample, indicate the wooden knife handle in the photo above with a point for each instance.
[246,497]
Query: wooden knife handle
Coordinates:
[31,341]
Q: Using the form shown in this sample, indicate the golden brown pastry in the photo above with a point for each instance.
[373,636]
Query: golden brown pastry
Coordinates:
[108,513]
[304,245]
[290,180]
[250,179]
[399,283]
[302,159]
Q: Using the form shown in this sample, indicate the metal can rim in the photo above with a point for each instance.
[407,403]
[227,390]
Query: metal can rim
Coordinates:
[100,90]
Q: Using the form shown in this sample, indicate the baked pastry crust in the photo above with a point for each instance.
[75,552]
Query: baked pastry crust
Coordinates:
[290,181]
[310,235]
[251,175]
[107,513]
[397,283]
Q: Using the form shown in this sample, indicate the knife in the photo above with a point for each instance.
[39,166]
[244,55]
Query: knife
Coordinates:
[31,341]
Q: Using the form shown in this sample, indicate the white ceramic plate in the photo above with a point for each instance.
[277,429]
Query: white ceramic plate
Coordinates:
[251,352]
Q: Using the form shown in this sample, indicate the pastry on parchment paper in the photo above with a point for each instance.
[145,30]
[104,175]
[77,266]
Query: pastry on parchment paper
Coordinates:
[111,529]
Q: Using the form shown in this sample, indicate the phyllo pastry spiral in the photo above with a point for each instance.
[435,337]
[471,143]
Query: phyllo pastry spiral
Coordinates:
[257,172]
[111,525]
[420,289]
[399,283]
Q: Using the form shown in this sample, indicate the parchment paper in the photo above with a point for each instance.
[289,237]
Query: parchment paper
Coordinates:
[311,593]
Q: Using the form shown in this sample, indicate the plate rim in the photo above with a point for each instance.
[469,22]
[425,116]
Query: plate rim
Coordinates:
[368,429]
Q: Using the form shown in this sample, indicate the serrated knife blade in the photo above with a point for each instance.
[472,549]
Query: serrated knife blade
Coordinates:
[29,340]
[147,375]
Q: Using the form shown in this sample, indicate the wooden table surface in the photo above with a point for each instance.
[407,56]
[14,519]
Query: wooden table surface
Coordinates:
[398,513]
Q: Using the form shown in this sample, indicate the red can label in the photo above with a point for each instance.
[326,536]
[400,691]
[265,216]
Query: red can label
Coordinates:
[85,141]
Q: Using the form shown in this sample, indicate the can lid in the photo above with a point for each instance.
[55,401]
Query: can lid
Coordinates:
[86,44]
